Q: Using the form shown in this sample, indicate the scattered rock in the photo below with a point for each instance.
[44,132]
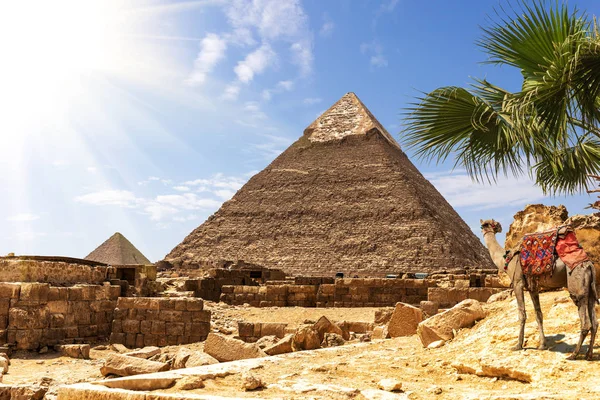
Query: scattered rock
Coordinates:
[405,320]
[4,363]
[100,347]
[499,296]
[365,337]
[380,332]
[324,325]
[436,344]
[199,359]
[429,308]
[224,348]
[119,348]
[145,353]
[267,341]
[121,365]
[306,338]
[252,382]
[441,326]
[181,358]
[190,382]
[383,316]
[43,350]
[140,383]
[75,350]
[390,385]
[281,347]
[332,340]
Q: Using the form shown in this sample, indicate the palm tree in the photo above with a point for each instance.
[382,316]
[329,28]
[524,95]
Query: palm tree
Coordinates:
[549,129]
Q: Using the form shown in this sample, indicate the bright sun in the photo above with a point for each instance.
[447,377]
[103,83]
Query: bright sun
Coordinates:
[53,44]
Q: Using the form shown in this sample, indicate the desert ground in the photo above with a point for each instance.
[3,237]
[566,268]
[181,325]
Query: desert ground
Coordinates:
[476,364]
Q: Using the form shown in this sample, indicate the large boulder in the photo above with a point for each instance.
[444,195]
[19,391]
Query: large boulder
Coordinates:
[587,230]
[75,350]
[146,352]
[441,326]
[118,364]
[534,218]
[199,359]
[404,320]
[281,347]
[324,325]
[224,348]
[306,338]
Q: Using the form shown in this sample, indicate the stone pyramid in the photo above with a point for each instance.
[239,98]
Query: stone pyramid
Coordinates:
[342,198]
[117,250]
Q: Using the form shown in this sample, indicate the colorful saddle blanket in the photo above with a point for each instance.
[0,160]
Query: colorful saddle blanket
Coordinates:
[538,252]
[569,250]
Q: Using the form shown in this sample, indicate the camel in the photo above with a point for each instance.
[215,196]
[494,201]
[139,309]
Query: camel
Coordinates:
[580,282]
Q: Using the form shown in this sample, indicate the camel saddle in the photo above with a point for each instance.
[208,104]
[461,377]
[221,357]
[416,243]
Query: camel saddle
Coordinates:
[538,251]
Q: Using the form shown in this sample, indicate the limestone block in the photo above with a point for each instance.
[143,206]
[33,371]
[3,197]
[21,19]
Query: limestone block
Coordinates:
[34,293]
[429,308]
[118,364]
[28,339]
[324,325]
[383,315]
[28,318]
[306,338]
[404,320]
[273,329]
[76,350]
[281,347]
[9,290]
[224,348]
[440,326]
[199,359]
[58,306]
[380,332]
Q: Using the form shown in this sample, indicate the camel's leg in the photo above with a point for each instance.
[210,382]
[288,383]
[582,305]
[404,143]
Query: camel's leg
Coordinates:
[592,313]
[579,289]
[520,296]
[539,317]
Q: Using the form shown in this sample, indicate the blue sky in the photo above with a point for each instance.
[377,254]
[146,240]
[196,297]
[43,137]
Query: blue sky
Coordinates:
[144,116]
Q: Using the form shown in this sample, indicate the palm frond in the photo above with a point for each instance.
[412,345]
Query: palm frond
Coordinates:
[452,120]
[567,170]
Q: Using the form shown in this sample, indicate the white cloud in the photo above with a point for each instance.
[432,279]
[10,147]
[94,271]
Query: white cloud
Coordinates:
[225,194]
[122,198]
[23,217]
[282,86]
[212,50]
[302,56]
[186,218]
[375,49]
[388,6]
[231,93]
[285,85]
[460,191]
[92,170]
[312,100]
[273,19]
[181,188]
[255,63]
[327,27]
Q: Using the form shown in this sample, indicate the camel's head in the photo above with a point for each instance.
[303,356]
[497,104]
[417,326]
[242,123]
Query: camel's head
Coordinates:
[490,225]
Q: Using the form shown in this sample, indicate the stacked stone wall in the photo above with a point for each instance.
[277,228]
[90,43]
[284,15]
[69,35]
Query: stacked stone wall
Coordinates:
[351,292]
[157,321]
[34,315]
[365,292]
[252,331]
[53,272]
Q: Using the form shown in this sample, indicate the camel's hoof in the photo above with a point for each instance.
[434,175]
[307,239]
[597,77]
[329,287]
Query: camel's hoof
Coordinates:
[517,347]
[589,356]
[572,357]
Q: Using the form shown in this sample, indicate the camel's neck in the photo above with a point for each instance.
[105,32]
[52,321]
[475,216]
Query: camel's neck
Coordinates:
[496,251]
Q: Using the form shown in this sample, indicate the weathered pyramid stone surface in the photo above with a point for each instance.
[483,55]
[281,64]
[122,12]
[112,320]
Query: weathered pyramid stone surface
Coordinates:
[343,198]
[117,250]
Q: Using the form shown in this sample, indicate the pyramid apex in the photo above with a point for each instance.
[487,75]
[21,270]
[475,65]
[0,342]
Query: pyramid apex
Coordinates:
[348,116]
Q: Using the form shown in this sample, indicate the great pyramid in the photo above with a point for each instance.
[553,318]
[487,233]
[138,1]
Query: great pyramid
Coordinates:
[343,198]
[117,250]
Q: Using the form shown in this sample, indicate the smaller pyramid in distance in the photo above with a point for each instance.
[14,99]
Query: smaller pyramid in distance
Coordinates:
[117,250]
